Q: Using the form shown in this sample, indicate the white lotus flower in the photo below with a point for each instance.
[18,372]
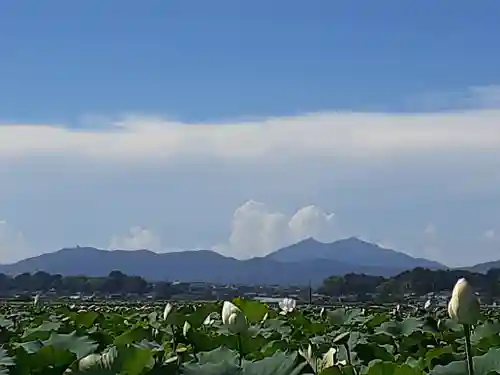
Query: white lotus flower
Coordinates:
[287,305]
[167,311]
[233,317]
[463,306]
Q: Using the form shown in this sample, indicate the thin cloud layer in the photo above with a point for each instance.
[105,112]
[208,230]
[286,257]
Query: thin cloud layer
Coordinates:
[341,134]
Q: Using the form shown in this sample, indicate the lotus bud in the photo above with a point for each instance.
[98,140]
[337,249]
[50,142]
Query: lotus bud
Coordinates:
[167,311]
[463,306]
[233,317]
[186,328]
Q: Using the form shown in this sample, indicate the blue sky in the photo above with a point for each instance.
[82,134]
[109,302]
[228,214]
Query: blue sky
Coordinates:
[241,126]
[197,60]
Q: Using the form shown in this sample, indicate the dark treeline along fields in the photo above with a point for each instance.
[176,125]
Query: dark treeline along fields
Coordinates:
[115,283]
[419,281]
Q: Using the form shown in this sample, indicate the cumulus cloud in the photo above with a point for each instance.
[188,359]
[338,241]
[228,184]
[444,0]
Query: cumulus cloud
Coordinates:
[341,134]
[256,230]
[138,238]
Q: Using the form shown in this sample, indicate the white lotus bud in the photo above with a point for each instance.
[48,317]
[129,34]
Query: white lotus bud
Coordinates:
[167,311]
[463,306]
[186,328]
[287,305]
[233,317]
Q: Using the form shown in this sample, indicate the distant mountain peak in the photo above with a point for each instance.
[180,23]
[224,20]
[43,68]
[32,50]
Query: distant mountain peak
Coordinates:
[351,250]
[356,240]
[308,241]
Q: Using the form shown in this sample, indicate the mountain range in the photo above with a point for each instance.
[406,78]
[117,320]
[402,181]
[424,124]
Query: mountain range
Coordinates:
[301,263]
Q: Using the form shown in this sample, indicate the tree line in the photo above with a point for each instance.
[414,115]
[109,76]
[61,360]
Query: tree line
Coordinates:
[419,281]
[115,283]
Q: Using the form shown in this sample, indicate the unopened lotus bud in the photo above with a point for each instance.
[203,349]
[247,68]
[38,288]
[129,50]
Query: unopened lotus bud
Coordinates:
[463,306]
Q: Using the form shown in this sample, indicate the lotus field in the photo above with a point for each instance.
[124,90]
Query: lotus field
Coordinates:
[249,337]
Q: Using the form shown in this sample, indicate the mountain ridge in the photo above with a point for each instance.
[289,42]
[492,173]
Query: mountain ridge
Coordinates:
[345,249]
[307,260]
[483,267]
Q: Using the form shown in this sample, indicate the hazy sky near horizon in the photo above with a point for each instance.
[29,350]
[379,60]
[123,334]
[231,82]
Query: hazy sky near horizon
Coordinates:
[244,127]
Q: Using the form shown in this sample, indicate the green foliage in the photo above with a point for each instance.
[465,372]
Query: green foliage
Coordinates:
[419,281]
[128,339]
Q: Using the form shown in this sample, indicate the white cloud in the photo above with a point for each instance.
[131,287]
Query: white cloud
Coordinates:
[138,238]
[257,231]
[327,134]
